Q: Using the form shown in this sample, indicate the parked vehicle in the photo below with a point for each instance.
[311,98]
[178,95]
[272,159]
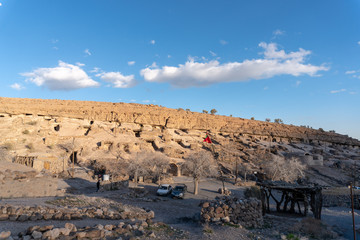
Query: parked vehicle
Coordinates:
[164,190]
[179,191]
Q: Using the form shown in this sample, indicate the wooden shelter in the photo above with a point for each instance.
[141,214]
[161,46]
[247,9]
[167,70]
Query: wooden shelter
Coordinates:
[293,194]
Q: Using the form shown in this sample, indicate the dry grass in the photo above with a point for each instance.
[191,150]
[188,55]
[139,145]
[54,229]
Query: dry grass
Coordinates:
[31,147]
[25,131]
[32,123]
[314,228]
[8,146]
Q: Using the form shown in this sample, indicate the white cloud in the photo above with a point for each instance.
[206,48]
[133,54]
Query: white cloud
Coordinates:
[271,52]
[117,79]
[145,101]
[153,65]
[17,86]
[132,100]
[358,42]
[80,64]
[266,88]
[169,56]
[223,42]
[275,62]
[152,42]
[352,93]
[298,83]
[350,72]
[63,77]
[131,63]
[278,32]
[87,52]
[0,4]
[212,53]
[338,91]
[95,70]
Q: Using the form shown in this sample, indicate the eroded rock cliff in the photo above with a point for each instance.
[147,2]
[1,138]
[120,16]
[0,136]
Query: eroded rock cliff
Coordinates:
[167,118]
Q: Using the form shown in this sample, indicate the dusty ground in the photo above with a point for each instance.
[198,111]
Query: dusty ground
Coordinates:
[183,214]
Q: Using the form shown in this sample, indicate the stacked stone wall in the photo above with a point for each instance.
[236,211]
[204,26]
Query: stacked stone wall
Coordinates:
[28,213]
[341,201]
[246,212]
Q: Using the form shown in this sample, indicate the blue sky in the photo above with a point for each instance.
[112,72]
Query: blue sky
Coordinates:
[295,60]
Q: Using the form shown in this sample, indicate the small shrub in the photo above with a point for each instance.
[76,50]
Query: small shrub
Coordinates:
[9,146]
[213,111]
[32,123]
[232,225]
[205,111]
[252,192]
[278,120]
[252,118]
[267,119]
[314,228]
[207,229]
[291,236]
[25,131]
[30,146]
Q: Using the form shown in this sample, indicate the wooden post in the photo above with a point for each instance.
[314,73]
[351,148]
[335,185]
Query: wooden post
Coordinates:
[236,170]
[352,210]
[73,161]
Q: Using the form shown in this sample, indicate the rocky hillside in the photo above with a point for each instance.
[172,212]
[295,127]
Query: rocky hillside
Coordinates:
[51,133]
[166,118]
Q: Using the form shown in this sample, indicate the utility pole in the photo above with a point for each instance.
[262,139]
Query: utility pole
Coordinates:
[352,209]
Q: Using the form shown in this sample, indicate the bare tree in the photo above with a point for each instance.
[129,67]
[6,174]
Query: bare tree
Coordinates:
[283,169]
[245,169]
[138,165]
[4,155]
[199,165]
[158,164]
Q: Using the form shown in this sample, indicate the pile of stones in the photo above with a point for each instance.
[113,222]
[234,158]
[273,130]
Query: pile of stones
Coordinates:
[27,213]
[246,212]
[70,231]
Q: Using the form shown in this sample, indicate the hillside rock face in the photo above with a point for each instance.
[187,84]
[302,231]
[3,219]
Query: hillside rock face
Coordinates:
[165,118]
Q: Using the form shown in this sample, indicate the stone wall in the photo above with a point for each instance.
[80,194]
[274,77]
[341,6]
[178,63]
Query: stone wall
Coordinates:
[341,201]
[246,212]
[123,230]
[167,118]
[27,213]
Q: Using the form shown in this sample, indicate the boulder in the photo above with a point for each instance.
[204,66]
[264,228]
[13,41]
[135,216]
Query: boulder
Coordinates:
[5,235]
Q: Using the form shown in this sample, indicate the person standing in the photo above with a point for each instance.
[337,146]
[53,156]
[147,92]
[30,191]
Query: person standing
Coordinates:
[98,185]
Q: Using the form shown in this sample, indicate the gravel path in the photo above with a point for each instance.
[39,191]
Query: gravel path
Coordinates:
[341,219]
